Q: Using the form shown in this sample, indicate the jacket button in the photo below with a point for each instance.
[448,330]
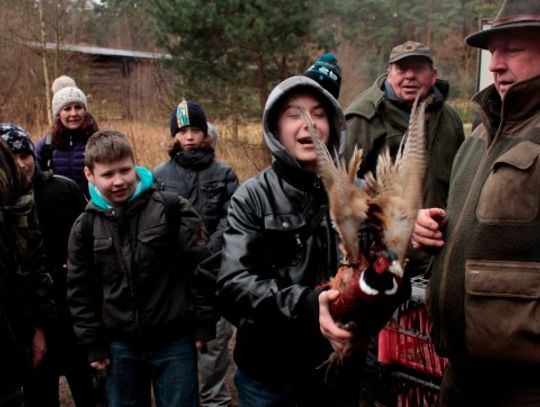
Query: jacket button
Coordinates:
[286,225]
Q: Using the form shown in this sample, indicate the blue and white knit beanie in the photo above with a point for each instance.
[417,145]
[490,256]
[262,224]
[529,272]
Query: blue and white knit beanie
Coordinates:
[327,73]
[188,113]
[17,139]
[66,92]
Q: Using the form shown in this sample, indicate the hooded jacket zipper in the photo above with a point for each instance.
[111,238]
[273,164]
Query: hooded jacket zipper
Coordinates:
[129,273]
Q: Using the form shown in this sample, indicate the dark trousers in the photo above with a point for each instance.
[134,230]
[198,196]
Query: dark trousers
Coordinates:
[171,369]
[11,398]
[327,386]
[64,357]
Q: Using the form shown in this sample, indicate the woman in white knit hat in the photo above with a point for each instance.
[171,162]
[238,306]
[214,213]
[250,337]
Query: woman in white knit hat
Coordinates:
[62,151]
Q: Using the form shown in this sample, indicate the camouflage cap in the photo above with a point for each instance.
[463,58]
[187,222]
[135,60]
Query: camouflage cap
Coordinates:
[410,49]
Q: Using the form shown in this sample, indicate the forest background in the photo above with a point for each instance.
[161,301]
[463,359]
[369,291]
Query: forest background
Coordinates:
[225,54]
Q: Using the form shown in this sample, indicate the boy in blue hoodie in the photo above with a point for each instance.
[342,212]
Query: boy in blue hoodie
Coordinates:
[131,283]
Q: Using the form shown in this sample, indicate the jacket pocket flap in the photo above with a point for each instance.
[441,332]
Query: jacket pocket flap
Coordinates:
[101,244]
[283,222]
[521,156]
[503,279]
[152,233]
[212,186]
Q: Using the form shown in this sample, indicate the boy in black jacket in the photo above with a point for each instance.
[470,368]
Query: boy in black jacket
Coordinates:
[279,249]
[131,289]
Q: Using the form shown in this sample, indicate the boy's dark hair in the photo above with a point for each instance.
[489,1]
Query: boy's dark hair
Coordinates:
[107,146]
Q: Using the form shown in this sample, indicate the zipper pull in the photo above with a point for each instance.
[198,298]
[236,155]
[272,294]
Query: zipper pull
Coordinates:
[317,183]
[298,241]
[70,141]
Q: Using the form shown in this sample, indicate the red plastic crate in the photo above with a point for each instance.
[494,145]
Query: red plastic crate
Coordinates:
[414,392]
[405,340]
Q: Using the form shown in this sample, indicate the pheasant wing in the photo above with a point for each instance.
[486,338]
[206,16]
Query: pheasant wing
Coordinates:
[397,189]
[347,202]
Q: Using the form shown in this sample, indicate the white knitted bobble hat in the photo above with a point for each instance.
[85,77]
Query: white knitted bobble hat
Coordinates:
[66,92]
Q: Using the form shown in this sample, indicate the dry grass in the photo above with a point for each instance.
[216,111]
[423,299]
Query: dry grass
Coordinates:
[150,142]
[240,147]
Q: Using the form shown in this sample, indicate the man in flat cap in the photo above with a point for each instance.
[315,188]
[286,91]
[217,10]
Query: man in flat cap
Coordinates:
[485,285]
[379,117]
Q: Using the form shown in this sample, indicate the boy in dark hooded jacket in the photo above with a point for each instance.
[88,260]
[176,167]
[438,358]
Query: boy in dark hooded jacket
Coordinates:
[131,284]
[279,247]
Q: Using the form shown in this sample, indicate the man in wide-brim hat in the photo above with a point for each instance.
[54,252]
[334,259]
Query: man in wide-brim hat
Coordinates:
[485,283]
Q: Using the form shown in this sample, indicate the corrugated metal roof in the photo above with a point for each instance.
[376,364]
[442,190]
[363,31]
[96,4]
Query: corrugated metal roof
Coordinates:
[113,52]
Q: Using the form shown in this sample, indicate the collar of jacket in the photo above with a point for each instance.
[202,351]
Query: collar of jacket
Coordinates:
[144,181]
[299,178]
[393,98]
[194,158]
[376,95]
[72,136]
[119,213]
[521,102]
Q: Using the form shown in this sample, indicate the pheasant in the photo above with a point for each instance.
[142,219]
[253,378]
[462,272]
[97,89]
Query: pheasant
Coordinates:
[384,209]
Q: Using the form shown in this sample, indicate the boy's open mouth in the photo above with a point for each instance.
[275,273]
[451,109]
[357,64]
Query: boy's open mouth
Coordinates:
[306,140]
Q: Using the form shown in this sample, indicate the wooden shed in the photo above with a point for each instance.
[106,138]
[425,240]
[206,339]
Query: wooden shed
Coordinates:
[119,83]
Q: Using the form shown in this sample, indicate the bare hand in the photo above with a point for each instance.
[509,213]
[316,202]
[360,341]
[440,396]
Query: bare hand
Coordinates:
[200,345]
[38,348]
[101,364]
[427,229]
[340,339]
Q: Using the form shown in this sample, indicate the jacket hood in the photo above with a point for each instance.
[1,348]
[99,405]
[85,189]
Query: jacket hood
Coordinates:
[338,124]
[143,183]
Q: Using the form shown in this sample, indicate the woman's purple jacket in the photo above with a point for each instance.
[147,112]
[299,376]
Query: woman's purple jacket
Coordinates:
[68,162]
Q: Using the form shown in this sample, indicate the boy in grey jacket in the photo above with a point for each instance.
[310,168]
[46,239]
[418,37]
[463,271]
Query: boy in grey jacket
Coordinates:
[194,173]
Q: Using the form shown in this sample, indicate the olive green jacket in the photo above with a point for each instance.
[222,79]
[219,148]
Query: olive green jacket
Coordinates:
[374,122]
[485,295]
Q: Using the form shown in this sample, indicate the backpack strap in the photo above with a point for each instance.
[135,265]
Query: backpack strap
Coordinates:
[171,201]
[87,227]
[45,163]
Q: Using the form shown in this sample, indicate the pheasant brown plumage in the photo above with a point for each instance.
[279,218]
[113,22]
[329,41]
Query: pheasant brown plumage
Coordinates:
[384,207]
